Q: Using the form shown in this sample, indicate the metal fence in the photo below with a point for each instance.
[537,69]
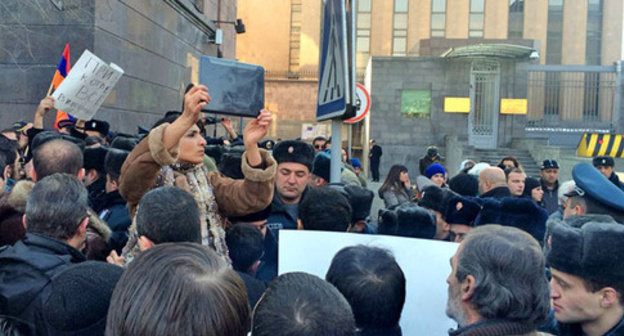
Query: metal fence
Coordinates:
[571,95]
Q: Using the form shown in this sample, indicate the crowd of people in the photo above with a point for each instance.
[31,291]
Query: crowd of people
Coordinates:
[173,232]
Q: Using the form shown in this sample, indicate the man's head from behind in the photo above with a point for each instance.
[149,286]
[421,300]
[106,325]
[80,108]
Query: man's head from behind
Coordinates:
[57,156]
[498,274]
[490,178]
[179,289]
[57,207]
[302,304]
[246,245]
[373,283]
[325,209]
[587,271]
[167,215]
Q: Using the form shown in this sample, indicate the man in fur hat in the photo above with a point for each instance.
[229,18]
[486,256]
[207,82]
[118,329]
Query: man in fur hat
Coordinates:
[294,165]
[587,285]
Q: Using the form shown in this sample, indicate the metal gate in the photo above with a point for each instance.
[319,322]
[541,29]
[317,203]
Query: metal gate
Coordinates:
[483,118]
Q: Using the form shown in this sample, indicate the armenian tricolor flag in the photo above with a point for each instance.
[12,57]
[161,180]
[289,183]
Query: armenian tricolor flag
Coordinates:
[61,72]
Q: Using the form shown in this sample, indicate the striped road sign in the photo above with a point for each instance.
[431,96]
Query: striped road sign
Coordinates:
[596,144]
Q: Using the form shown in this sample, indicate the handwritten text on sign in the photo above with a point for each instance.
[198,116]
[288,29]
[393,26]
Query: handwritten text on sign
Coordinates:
[89,82]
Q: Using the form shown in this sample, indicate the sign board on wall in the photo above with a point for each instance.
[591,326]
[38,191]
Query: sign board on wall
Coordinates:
[457,104]
[425,264]
[513,106]
[310,131]
[416,103]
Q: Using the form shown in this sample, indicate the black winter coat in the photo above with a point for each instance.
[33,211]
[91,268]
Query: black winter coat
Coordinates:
[26,269]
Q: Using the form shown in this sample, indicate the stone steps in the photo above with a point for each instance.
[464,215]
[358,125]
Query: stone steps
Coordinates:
[493,156]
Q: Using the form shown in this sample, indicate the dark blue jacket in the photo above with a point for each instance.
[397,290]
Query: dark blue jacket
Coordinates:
[115,213]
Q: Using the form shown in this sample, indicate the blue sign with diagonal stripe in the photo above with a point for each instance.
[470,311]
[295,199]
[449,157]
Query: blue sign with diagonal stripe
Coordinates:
[334,87]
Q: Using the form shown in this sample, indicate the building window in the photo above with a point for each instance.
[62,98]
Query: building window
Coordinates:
[438,18]
[399,28]
[295,35]
[554,32]
[477,16]
[593,43]
[363,29]
[516,19]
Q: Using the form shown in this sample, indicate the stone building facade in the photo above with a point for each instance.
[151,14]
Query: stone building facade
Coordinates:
[157,42]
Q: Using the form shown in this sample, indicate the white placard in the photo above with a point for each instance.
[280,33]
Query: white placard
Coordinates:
[86,86]
[425,264]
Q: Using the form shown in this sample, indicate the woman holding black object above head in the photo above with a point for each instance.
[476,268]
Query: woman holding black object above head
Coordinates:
[396,188]
[172,154]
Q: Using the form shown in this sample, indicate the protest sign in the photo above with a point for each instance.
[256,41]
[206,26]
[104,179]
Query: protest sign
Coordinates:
[425,264]
[89,82]
[235,88]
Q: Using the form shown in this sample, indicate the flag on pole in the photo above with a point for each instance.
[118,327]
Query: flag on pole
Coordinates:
[61,72]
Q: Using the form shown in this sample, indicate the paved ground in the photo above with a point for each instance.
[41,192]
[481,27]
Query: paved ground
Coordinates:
[377,202]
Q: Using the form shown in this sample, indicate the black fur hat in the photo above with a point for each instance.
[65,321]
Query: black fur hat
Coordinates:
[94,158]
[361,200]
[124,142]
[435,198]
[230,166]
[415,222]
[321,166]
[294,151]
[387,222]
[593,251]
[464,184]
[521,213]
[461,210]
[100,126]
[114,160]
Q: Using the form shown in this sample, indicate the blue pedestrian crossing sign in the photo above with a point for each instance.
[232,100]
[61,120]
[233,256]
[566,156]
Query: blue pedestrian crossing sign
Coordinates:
[334,92]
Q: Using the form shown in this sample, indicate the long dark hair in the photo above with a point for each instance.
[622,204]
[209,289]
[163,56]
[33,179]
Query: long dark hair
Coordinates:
[393,179]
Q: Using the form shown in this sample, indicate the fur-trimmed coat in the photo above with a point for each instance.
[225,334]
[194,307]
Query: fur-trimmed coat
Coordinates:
[140,171]
[142,168]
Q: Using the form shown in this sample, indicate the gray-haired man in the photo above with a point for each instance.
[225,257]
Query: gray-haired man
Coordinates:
[497,285]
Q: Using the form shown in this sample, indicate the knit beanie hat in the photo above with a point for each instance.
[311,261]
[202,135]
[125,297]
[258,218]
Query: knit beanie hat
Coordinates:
[433,169]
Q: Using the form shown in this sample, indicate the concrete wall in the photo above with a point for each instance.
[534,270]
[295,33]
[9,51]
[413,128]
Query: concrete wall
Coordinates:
[404,139]
[156,42]
[33,36]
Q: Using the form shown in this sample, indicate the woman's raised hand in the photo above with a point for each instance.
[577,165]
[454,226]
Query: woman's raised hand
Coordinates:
[194,102]
[257,129]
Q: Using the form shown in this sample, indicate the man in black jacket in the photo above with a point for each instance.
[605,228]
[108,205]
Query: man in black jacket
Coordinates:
[549,178]
[606,165]
[114,210]
[56,223]
[492,183]
[375,157]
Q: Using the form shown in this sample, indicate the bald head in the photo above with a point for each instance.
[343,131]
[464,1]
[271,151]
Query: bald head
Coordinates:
[490,178]
[57,156]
